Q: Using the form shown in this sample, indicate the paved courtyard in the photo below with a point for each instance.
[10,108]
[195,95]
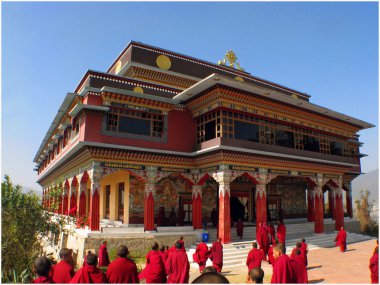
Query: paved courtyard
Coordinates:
[326,265]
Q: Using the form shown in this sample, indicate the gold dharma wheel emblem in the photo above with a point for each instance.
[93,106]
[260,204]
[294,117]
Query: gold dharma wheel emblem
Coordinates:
[238,78]
[163,62]
[138,89]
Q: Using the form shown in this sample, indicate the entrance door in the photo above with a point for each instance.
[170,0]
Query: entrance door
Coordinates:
[108,194]
[121,202]
[274,204]
[188,208]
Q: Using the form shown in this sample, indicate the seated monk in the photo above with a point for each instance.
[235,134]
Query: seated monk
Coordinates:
[42,267]
[211,278]
[89,273]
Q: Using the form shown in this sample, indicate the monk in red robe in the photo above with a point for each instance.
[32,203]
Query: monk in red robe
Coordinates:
[89,273]
[240,229]
[183,243]
[340,239]
[122,269]
[298,247]
[374,266]
[178,266]
[272,233]
[217,255]
[73,211]
[103,255]
[201,255]
[271,259]
[304,250]
[163,253]
[63,271]
[299,267]
[155,268]
[254,257]
[263,240]
[42,267]
[283,269]
[281,232]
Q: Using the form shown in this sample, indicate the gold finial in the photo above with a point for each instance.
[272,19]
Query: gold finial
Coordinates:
[231,57]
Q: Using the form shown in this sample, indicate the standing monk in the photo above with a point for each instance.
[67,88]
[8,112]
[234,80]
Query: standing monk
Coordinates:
[240,229]
[263,240]
[42,267]
[201,255]
[299,267]
[178,266]
[163,253]
[217,254]
[374,266]
[104,260]
[304,249]
[272,233]
[340,239]
[183,243]
[254,257]
[271,259]
[155,268]
[298,246]
[283,269]
[63,271]
[281,232]
[122,269]
[89,273]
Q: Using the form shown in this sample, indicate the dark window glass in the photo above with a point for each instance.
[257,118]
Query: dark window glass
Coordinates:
[311,143]
[284,138]
[121,202]
[108,195]
[246,131]
[336,148]
[134,126]
[210,132]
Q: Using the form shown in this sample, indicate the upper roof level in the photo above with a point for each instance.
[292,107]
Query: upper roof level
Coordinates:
[143,72]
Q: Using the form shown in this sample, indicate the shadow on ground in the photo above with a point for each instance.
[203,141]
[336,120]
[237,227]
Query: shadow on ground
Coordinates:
[315,281]
[314,267]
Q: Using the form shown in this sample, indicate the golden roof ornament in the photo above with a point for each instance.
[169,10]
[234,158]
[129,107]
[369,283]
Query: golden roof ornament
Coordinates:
[231,57]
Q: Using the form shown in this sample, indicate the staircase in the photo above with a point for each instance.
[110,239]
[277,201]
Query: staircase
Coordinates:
[235,253]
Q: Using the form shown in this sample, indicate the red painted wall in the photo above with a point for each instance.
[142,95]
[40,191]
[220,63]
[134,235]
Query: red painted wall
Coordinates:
[181,133]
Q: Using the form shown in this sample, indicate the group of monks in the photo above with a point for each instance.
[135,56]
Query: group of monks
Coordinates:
[215,254]
[171,265]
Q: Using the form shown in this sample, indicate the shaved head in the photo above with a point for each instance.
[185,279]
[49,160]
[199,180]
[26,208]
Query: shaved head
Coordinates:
[211,278]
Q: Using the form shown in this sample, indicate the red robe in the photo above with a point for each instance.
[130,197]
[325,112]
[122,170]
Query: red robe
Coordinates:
[272,233]
[42,279]
[374,267]
[283,270]
[177,267]
[183,245]
[239,229]
[103,256]
[201,255]
[254,259]
[122,270]
[89,274]
[263,240]
[155,268]
[293,254]
[304,251]
[281,233]
[62,272]
[164,255]
[271,256]
[341,240]
[217,255]
[299,269]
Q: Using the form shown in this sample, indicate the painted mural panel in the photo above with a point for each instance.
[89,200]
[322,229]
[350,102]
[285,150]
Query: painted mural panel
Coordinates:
[136,201]
[209,200]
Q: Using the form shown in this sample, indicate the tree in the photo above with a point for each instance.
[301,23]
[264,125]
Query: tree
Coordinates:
[24,223]
[363,210]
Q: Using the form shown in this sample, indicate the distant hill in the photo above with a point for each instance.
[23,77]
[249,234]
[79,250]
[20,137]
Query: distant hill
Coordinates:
[368,181]
[26,190]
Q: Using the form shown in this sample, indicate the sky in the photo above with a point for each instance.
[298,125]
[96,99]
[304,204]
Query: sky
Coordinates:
[328,50]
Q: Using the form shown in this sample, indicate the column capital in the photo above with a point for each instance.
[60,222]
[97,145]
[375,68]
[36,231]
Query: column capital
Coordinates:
[263,177]
[197,191]
[223,176]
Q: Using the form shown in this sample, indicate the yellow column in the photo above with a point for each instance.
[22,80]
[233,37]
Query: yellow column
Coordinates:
[102,200]
[113,201]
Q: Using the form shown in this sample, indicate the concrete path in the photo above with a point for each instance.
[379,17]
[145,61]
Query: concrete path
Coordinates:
[326,265]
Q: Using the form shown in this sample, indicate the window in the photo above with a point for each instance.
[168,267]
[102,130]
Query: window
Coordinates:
[210,132]
[336,148]
[284,138]
[75,126]
[135,122]
[246,131]
[311,143]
